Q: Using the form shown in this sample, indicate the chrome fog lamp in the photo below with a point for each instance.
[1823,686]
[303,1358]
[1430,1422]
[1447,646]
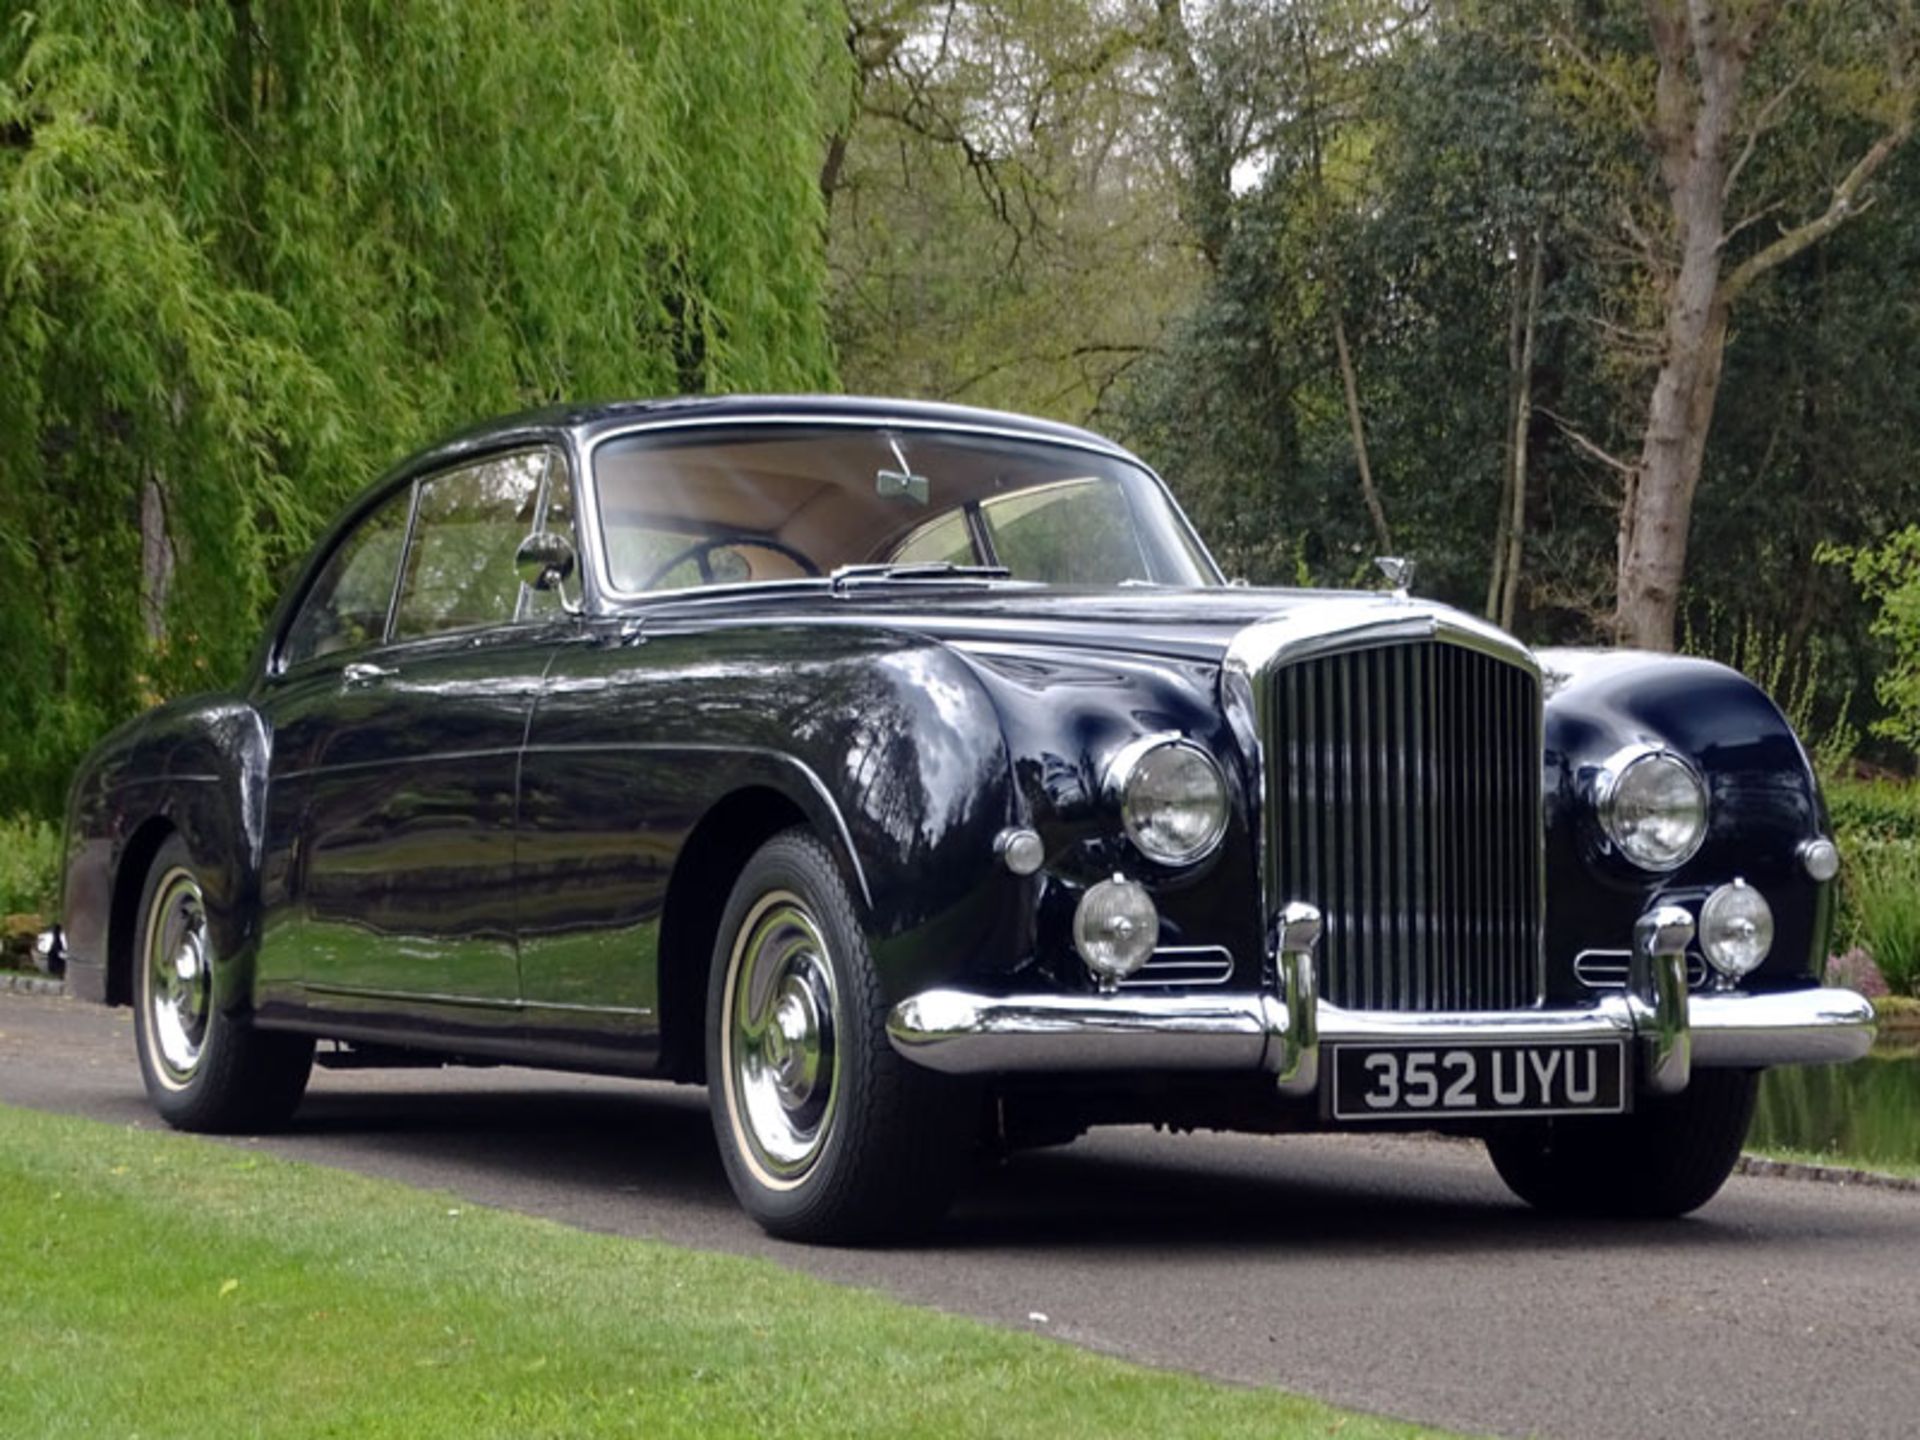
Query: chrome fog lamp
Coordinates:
[1653,805]
[1115,929]
[1173,799]
[1736,930]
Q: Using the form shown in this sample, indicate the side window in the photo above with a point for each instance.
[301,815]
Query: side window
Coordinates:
[1074,532]
[459,570]
[347,606]
[944,539]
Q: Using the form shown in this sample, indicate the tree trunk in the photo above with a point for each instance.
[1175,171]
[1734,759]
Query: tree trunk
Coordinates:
[1704,51]
[1659,506]
[1516,521]
[156,558]
[1381,534]
[1516,330]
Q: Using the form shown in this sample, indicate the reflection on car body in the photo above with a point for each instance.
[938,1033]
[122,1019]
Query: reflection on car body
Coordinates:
[908,776]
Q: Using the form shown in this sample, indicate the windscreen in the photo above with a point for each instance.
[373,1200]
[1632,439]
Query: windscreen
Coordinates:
[765,503]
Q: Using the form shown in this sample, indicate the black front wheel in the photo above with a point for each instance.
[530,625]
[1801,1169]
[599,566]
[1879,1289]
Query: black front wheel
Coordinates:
[1669,1157]
[826,1134]
[204,1069]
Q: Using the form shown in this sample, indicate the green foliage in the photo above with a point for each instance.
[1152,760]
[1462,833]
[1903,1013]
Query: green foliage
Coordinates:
[1861,1114]
[992,237]
[29,866]
[1874,811]
[249,254]
[1890,575]
[1395,166]
[1877,826]
[1883,903]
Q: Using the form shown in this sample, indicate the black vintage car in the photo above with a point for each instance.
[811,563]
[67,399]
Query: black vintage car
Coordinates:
[908,775]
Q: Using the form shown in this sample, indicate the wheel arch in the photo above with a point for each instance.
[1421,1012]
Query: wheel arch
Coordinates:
[129,881]
[716,850]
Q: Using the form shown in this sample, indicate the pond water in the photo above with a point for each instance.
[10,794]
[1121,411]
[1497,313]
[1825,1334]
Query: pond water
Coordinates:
[1866,1114]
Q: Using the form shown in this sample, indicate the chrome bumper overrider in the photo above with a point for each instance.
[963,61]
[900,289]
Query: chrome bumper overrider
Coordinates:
[963,1033]
[50,952]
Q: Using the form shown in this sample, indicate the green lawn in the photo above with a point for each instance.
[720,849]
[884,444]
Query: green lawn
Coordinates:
[156,1285]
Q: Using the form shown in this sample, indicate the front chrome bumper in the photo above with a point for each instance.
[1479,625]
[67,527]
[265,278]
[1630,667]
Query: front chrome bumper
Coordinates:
[963,1033]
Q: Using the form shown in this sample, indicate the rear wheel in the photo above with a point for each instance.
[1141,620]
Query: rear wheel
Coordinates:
[1670,1156]
[826,1134]
[203,1069]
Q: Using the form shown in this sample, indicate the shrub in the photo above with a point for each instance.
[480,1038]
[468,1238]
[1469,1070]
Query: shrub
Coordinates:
[1890,574]
[1882,889]
[1874,811]
[29,866]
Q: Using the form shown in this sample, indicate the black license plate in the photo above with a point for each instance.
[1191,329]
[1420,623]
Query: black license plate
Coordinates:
[1493,1077]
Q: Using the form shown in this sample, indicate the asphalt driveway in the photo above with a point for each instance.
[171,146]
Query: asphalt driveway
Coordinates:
[1389,1275]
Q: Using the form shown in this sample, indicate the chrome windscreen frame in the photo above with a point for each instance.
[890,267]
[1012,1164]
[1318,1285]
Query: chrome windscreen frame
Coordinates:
[587,491]
[1343,624]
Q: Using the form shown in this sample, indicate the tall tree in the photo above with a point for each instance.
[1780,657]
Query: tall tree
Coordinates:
[250,253]
[1706,119]
[995,234]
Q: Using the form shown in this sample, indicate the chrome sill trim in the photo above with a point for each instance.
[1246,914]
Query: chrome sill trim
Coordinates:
[962,1033]
[470,1002]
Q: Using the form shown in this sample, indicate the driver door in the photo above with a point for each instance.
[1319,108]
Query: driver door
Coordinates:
[395,766]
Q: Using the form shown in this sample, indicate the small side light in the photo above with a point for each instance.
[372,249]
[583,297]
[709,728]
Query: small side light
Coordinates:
[1820,858]
[1019,850]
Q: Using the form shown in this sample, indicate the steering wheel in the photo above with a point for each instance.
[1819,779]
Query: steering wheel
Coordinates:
[701,549]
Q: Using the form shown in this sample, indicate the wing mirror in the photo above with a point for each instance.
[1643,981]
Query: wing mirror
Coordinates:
[546,561]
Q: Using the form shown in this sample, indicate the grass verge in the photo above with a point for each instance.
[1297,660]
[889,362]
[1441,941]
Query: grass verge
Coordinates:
[159,1285]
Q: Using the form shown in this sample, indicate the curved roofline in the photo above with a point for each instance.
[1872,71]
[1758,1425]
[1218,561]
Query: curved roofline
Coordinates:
[590,419]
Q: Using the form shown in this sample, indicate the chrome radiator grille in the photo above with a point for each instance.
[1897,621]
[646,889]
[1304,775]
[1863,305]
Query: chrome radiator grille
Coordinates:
[1405,803]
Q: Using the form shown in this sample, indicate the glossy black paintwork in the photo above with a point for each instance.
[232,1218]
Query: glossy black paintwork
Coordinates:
[506,846]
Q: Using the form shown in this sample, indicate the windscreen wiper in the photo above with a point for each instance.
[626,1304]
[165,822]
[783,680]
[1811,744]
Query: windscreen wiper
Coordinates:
[887,571]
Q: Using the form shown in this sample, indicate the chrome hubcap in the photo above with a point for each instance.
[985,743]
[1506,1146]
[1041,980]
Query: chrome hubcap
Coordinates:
[178,974]
[782,1019]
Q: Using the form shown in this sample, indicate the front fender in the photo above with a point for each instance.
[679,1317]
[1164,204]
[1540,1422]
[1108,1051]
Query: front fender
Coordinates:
[1764,802]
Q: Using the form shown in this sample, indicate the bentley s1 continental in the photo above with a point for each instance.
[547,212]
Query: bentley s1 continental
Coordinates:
[908,776]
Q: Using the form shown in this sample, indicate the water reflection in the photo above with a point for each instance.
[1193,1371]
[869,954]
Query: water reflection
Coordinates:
[1865,1114]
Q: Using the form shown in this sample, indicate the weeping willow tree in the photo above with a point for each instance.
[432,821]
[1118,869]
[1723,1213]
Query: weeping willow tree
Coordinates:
[250,252]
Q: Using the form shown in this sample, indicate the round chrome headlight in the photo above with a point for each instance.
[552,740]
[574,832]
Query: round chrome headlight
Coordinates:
[1736,929]
[1115,928]
[1653,806]
[1173,799]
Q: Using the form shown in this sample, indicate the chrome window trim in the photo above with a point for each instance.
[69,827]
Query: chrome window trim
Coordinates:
[277,664]
[593,545]
[422,479]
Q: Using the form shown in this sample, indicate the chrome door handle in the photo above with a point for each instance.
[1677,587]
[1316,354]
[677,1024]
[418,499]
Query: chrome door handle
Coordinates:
[363,673]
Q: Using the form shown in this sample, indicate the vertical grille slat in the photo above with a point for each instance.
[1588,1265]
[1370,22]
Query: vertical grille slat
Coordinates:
[1407,807]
